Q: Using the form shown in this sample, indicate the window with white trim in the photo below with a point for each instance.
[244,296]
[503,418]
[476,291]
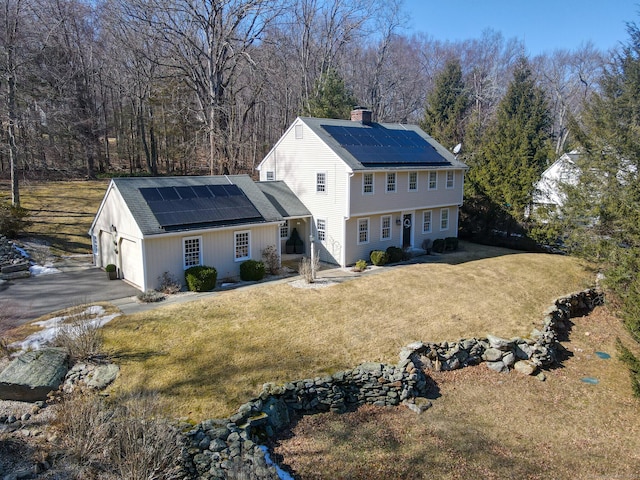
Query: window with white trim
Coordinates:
[192,251]
[385,227]
[241,245]
[321,229]
[321,182]
[298,131]
[284,230]
[363,231]
[413,181]
[433,180]
[449,180]
[391,182]
[271,175]
[444,219]
[367,183]
[426,221]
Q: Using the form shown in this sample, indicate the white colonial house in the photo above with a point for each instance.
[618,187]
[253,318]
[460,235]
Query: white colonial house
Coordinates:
[368,186]
[148,226]
[548,193]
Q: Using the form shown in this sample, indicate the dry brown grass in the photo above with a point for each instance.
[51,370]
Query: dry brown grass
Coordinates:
[209,356]
[489,425]
[61,212]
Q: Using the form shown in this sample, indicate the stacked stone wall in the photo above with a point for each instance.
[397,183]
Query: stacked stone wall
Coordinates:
[232,448]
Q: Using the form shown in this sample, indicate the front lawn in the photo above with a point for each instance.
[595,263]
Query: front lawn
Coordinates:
[210,356]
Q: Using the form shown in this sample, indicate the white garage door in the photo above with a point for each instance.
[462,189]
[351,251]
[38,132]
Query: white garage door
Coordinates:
[131,262]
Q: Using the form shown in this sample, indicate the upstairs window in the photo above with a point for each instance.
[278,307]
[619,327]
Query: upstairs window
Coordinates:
[191,251]
[367,183]
[433,180]
[242,241]
[321,182]
[298,131]
[391,182]
[449,179]
[271,176]
[413,181]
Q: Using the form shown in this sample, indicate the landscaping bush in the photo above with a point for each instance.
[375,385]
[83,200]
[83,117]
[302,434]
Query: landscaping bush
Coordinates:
[81,336]
[378,258]
[271,259]
[451,244]
[394,255]
[252,270]
[200,278]
[438,245]
[12,219]
[361,266]
[169,284]
[110,268]
[308,268]
[150,296]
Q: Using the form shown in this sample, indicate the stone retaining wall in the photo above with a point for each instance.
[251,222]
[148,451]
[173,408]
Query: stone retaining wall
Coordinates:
[230,448]
[525,355]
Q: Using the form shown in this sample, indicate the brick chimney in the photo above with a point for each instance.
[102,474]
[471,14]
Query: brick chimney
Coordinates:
[362,115]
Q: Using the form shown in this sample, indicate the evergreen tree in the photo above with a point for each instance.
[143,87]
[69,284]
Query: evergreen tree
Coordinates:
[515,149]
[602,212]
[332,98]
[447,105]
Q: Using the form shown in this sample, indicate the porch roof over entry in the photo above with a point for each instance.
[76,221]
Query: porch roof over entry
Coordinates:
[283,199]
[169,204]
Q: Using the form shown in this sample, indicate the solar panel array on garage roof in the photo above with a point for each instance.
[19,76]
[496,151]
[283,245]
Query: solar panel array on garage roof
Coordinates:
[378,146]
[199,204]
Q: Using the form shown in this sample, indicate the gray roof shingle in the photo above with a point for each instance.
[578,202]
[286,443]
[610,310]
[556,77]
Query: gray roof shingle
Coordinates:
[283,199]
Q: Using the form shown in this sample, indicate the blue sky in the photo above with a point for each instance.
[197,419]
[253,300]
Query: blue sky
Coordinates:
[543,25]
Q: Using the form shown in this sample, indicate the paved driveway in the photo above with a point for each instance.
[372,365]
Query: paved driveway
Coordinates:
[28,298]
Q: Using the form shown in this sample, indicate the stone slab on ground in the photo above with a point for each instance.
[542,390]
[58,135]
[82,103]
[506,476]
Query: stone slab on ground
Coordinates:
[31,376]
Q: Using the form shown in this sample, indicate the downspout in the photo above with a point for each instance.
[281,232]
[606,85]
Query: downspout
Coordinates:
[347,216]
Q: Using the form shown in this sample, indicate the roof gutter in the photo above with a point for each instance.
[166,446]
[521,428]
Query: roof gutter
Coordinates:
[241,226]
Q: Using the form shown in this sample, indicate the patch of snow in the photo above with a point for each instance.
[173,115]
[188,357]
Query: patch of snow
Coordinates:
[281,473]
[50,327]
[48,269]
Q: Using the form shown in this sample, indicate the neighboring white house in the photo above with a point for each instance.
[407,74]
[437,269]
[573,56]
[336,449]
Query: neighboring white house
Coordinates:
[548,191]
[367,185]
[148,226]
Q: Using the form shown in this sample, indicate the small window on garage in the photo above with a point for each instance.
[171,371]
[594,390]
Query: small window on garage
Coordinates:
[298,129]
[192,251]
[271,175]
[242,242]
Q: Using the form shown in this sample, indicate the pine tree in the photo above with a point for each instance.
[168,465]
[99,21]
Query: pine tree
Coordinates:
[447,106]
[515,150]
[602,212]
[332,99]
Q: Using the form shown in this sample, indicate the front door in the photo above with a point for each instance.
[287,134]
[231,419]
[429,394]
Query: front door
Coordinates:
[406,230]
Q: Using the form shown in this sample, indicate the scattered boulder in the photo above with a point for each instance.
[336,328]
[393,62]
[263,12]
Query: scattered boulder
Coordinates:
[525,367]
[32,375]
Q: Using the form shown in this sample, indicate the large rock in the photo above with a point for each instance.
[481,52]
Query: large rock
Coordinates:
[31,376]
[102,376]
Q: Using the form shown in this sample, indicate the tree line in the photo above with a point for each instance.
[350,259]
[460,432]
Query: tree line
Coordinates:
[197,86]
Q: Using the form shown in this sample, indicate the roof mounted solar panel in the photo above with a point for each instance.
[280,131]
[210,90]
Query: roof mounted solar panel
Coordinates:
[377,146]
[206,205]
